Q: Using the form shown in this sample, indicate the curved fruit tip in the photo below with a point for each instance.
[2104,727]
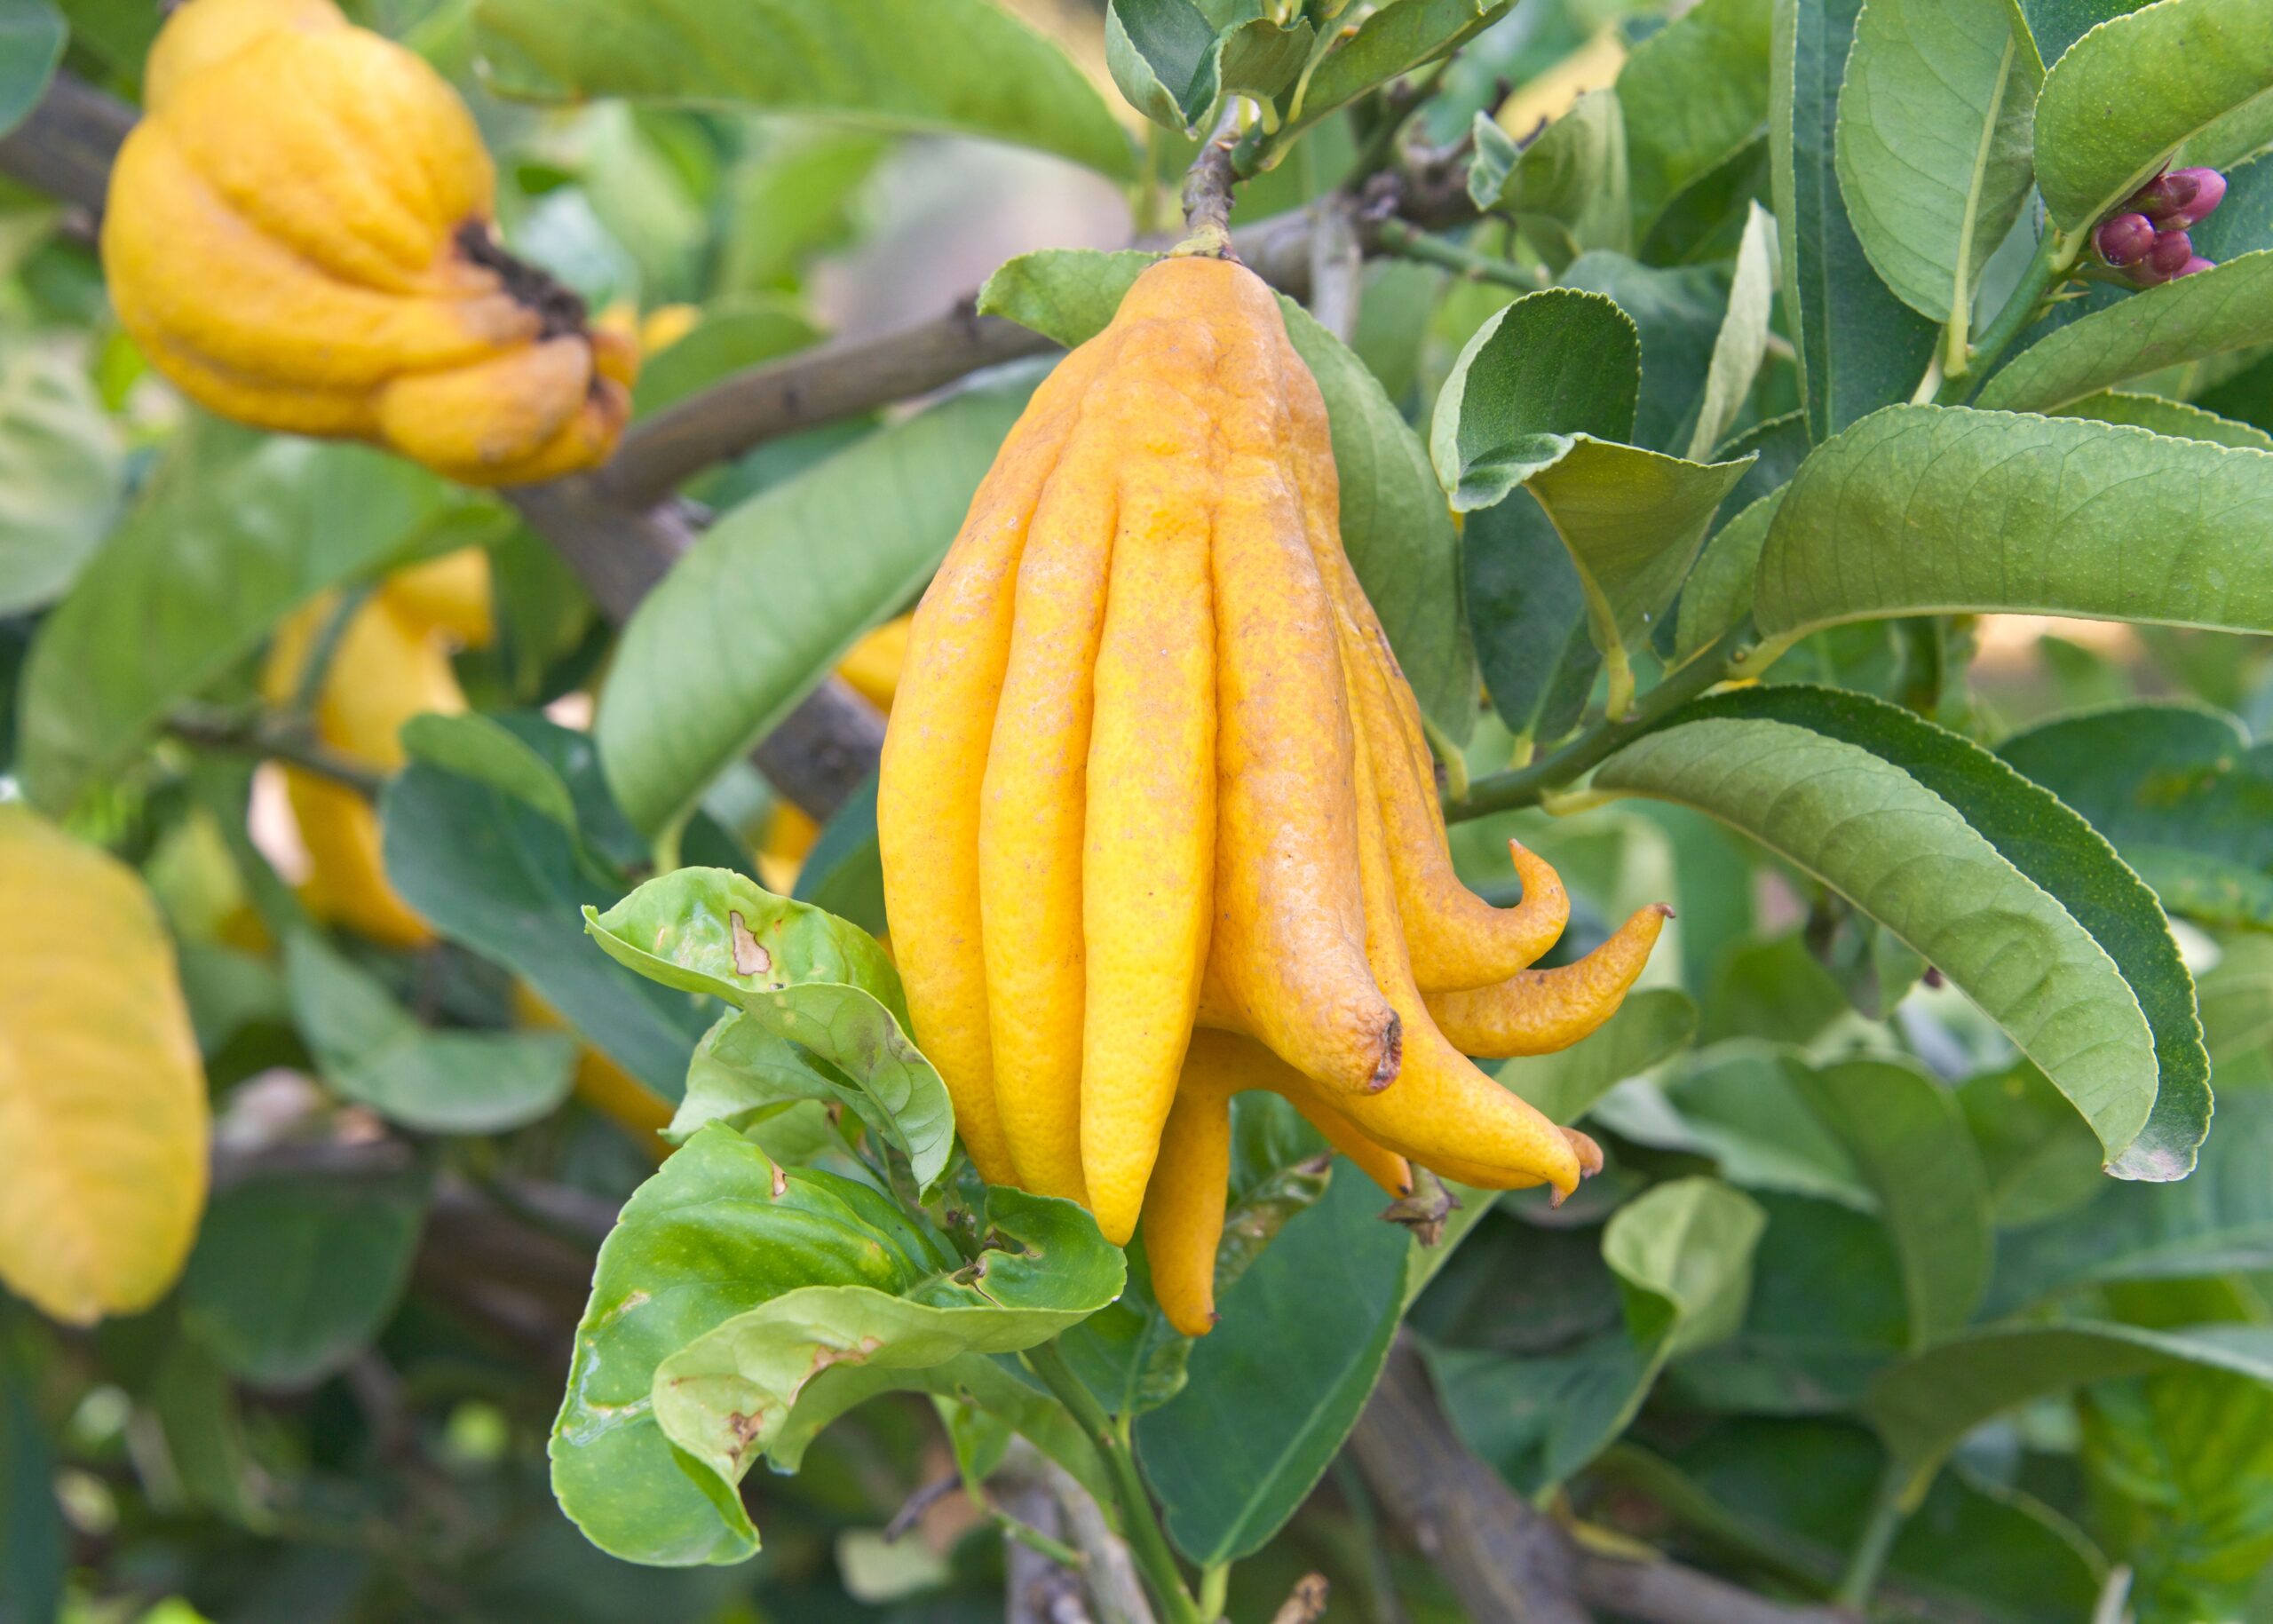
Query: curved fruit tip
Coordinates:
[1590,1153]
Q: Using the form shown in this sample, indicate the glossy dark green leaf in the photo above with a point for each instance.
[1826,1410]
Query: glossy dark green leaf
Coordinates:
[1718,592]
[1933,144]
[1694,94]
[744,628]
[59,466]
[1394,38]
[2207,313]
[1911,861]
[2063,855]
[1922,1406]
[2055,25]
[1275,1388]
[293,1275]
[1858,346]
[2242,223]
[2129,94]
[31,1518]
[2093,519]
[812,988]
[374,1051]
[2178,788]
[958,65]
[1682,1256]
[480,747]
[32,36]
[497,877]
[234,531]
[843,873]
[1174,65]
[726,1397]
[1568,186]
[2175,418]
[719,1230]
[1547,366]
[1528,609]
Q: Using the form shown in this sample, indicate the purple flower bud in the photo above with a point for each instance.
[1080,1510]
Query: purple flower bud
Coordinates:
[2194,267]
[2209,192]
[2165,195]
[2124,238]
[2171,251]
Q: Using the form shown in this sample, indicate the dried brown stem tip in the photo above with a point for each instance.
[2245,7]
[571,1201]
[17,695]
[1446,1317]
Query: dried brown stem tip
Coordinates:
[1207,194]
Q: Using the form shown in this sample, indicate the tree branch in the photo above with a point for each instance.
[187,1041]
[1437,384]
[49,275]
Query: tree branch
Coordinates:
[1504,1560]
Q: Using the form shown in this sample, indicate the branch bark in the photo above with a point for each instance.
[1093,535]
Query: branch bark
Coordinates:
[1505,1562]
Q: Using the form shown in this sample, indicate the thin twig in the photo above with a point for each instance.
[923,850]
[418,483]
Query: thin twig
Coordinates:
[275,741]
[1337,262]
[1397,238]
[1207,191]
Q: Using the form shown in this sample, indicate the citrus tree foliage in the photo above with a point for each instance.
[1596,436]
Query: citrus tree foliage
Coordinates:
[465,1150]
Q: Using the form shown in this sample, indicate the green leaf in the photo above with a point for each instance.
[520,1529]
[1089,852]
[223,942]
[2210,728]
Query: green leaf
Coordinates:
[1858,346]
[745,332]
[2136,88]
[2174,419]
[1694,94]
[2052,26]
[808,982]
[719,1230]
[31,1517]
[2176,786]
[60,471]
[1651,1026]
[2207,313]
[1746,1104]
[1276,1387]
[1394,524]
[1922,1406]
[233,532]
[478,746]
[959,67]
[510,882]
[1718,592]
[2059,852]
[32,38]
[1933,145]
[1547,366]
[725,1397]
[1632,520]
[2217,1220]
[800,195]
[1909,1140]
[1742,343]
[1569,183]
[2237,998]
[1394,38]
[1528,610]
[1680,311]
[1682,1257]
[294,1274]
[2244,220]
[1910,860]
[371,1049]
[1174,67]
[743,628]
[2040,1159]
[2091,519]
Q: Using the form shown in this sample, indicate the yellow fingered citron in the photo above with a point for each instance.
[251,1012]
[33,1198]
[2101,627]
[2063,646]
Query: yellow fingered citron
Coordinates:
[299,233]
[1159,819]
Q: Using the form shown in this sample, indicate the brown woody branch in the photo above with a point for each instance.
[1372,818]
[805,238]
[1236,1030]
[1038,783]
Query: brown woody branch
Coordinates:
[1507,1561]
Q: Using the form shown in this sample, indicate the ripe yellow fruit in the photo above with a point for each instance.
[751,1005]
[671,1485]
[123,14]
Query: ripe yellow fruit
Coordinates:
[1159,820]
[392,663]
[299,234]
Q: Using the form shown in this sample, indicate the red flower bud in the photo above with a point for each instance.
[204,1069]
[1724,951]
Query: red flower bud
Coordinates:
[2195,266]
[2171,251]
[2124,238]
[2165,195]
[2209,192]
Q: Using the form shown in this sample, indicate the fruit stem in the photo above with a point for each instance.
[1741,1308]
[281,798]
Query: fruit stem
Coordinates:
[1739,653]
[1887,1511]
[1138,1526]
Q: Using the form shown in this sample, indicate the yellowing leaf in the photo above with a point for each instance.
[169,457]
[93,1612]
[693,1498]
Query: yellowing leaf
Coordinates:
[102,1098]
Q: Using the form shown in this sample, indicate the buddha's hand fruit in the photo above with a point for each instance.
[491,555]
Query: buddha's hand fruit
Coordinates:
[299,235]
[1152,770]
